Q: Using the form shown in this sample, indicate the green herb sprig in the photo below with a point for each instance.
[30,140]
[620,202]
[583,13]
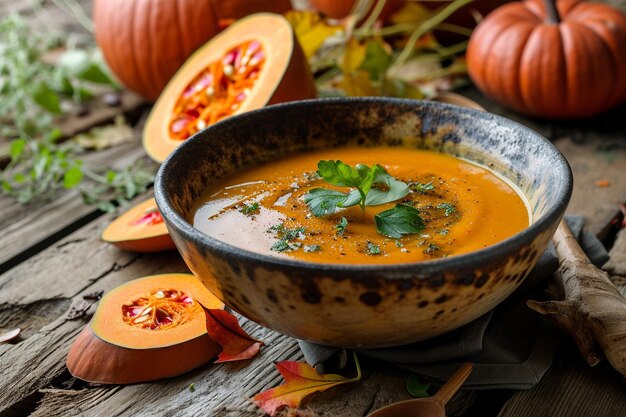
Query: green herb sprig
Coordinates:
[33,92]
[371,186]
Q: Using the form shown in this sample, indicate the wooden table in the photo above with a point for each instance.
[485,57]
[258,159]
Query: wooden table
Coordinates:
[51,255]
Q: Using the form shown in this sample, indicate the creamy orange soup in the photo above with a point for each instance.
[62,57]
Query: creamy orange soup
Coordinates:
[463,208]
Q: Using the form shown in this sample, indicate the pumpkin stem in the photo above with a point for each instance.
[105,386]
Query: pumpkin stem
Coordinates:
[552,12]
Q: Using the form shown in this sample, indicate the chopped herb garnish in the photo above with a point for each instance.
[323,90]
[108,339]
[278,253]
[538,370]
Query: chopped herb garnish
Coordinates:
[447,208]
[312,248]
[399,221]
[431,248]
[370,187]
[250,209]
[399,244]
[286,237]
[192,387]
[421,187]
[341,226]
[372,249]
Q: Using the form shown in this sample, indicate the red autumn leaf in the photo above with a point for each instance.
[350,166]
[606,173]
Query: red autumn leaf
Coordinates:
[301,380]
[236,343]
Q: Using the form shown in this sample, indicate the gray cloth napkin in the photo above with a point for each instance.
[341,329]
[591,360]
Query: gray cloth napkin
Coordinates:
[511,347]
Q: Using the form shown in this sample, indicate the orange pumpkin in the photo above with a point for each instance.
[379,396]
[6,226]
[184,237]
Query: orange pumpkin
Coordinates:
[255,62]
[149,328]
[145,42]
[139,229]
[338,9]
[558,61]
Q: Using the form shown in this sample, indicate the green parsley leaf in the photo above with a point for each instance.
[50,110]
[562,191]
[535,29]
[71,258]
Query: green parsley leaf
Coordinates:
[341,226]
[372,249]
[421,187]
[399,221]
[447,208]
[192,387]
[373,186]
[417,387]
[250,209]
[322,201]
[386,189]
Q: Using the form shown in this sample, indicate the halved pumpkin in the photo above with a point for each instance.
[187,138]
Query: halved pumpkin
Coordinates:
[140,229]
[255,62]
[147,329]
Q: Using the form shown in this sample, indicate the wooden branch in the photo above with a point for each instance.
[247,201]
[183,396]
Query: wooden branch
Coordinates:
[593,312]
[617,263]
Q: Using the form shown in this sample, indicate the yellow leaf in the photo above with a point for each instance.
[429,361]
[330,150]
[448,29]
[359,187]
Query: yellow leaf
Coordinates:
[310,30]
[358,84]
[353,56]
[411,12]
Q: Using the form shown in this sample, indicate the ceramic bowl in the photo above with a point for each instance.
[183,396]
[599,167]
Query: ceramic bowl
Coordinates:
[363,305]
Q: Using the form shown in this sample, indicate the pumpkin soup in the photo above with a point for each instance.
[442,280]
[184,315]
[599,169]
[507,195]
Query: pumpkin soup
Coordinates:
[363,205]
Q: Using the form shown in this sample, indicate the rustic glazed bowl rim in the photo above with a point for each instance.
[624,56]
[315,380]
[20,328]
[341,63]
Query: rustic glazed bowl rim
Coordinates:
[553,213]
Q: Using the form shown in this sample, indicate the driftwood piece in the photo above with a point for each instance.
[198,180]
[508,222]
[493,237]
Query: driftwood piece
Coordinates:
[617,264]
[593,312]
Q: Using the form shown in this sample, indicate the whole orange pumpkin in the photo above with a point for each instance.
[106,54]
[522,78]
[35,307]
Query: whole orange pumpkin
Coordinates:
[145,42]
[565,60]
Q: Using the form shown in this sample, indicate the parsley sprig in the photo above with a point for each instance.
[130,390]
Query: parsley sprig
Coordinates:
[371,186]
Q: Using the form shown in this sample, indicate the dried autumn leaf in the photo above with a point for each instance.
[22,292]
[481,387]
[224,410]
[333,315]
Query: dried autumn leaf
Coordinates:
[357,84]
[353,56]
[236,344]
[411,12]
[301,380]
[311,30]
[103,137]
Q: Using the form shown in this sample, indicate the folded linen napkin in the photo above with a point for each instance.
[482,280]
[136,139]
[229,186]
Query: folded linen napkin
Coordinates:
[511,347]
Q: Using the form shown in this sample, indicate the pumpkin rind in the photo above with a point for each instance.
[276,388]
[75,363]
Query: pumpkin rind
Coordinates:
[112,352]
[138,238]
[567,70]
[144,43]
[285,77]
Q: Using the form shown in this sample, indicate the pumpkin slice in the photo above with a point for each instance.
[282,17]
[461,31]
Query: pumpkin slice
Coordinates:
[140,229]
[147,329]
[256,61]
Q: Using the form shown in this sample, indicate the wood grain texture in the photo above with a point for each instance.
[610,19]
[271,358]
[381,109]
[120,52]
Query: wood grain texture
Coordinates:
[571,388]
[24,226]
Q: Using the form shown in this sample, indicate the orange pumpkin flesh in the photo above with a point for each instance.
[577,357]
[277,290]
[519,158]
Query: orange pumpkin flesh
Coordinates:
[145,42]
[256,61]
[568,66]
[140,229]
[114,349]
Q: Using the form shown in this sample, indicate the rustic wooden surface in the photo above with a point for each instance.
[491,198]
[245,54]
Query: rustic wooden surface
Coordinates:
[51,255]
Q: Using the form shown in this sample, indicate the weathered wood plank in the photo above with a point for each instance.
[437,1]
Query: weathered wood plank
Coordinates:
[571,388]
[26,226]
[53,280]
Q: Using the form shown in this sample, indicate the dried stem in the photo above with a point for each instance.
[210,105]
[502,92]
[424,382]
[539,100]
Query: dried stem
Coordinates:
[552,12]
[593,312]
